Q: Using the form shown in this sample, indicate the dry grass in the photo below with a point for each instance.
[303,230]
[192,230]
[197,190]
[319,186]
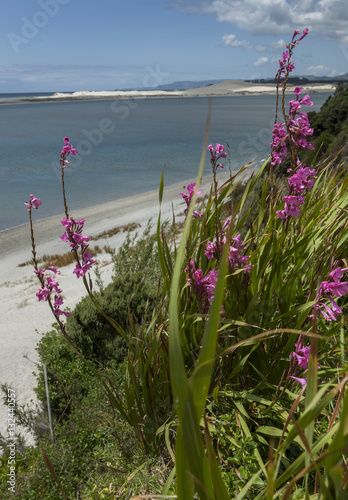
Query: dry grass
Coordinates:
[115,230]
[62,260]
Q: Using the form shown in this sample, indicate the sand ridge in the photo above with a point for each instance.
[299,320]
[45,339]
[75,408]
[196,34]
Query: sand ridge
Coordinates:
[225,88]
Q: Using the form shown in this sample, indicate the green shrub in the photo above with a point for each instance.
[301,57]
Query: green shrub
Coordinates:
[129,297]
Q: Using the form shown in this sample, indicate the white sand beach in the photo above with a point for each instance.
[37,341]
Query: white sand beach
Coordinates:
[225,88]
[23,318]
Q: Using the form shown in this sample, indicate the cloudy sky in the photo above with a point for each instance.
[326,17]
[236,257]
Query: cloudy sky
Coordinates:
[62,45]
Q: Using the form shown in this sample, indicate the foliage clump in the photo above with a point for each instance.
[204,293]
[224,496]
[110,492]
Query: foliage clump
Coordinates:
[331,127]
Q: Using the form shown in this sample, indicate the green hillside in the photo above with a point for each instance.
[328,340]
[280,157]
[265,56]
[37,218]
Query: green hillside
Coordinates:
[331,126]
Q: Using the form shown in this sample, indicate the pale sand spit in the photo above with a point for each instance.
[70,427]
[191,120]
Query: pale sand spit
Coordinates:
[226,88]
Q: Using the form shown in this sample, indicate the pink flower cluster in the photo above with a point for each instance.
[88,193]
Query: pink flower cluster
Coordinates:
[66,151]
[203,286]
[301,355]
[298,129]
[333,287]
[73,235]
[51,286]
[33,203]
[216,154]
[285,66]
[300,359]
[236,257]
[191,188]
[298,123]
[293,132]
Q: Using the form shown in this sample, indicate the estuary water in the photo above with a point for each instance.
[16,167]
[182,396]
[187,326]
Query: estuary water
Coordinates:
[123,146]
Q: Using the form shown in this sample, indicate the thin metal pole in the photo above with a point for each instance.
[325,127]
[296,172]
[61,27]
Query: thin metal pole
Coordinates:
[48,401]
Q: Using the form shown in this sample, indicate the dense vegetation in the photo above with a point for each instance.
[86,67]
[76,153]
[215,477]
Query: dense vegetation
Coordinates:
[215,364]
[331,127]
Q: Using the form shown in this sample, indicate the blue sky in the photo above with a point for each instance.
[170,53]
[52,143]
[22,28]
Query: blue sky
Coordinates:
[62,45]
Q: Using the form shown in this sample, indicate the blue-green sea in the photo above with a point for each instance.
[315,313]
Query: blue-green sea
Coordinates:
[123,146]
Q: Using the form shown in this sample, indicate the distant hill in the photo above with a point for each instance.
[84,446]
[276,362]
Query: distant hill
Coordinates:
[182,85]
[298,80]
[188,84]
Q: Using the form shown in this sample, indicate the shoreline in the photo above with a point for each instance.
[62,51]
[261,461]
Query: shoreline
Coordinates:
[9,236]
[228,88]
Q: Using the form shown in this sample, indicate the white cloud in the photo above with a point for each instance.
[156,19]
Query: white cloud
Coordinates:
[231,41]
[280,44]
[325,18]
[261,61]
[319,70]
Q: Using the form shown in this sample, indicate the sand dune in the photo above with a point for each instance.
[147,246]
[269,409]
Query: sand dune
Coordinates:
[226,88]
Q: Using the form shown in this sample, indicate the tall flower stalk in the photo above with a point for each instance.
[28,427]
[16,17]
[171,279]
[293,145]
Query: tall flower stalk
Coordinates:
[215,155]
[66,151]
[290,137]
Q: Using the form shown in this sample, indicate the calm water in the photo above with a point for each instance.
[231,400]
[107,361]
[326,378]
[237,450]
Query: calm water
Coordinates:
[123,146]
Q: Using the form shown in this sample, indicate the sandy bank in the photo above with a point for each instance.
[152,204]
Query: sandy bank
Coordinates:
[23,318]
[226,88]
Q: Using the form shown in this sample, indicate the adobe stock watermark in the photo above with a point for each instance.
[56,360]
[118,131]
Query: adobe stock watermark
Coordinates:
[11,440]
[31,26]
[121,108]
[255,146]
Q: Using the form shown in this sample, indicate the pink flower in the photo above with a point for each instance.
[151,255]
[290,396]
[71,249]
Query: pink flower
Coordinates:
[302,381]
[236,258]
[210,250]
[79,271]
[88,261]
[66,151]
[204,286]
[50,285]
[53,269]
[216,154]
[73,233]
[210,283]
[43,293]
[58,312]
[58,301]
[304,33]
[295,131]
[336,288]
[298,91]
[301,355]
[303,179]
[336,274]
[327,289]
[33,203]
[191,188]
[306,100]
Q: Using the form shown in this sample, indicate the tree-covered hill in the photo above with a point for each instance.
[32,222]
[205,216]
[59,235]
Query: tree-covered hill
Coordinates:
[331,126]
